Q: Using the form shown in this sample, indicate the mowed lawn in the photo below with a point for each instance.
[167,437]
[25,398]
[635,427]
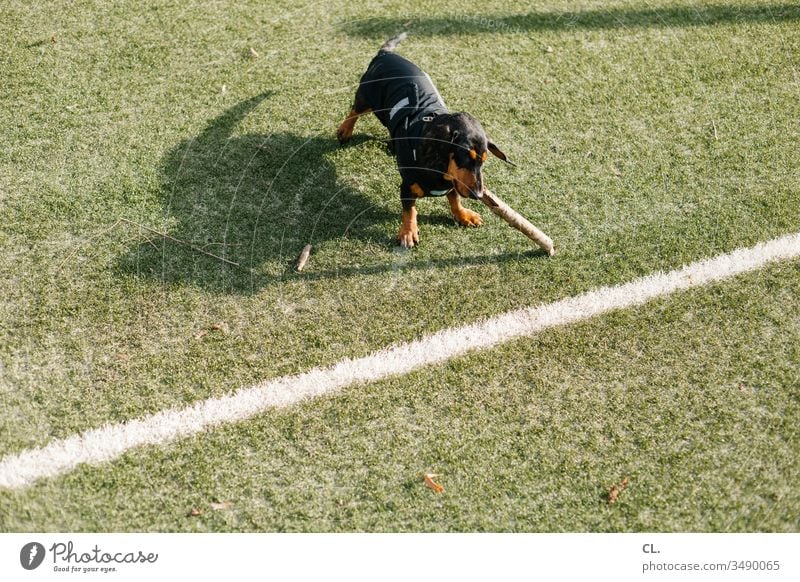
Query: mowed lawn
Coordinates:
[140,140]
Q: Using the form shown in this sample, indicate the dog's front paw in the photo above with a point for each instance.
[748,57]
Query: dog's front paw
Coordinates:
[343,134]
[467,217]
[408,236]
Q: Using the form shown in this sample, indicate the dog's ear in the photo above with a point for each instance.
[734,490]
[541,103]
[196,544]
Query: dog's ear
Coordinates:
[499,153]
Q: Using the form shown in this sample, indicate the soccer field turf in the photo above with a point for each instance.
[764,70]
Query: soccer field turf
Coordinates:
[140,140]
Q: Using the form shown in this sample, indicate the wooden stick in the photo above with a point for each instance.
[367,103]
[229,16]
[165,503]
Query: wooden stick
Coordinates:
[516,220]
[303,258]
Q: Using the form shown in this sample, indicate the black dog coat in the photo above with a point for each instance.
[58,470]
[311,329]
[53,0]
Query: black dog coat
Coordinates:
[403,98]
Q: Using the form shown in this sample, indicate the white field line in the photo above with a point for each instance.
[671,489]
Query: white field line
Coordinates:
[111,441]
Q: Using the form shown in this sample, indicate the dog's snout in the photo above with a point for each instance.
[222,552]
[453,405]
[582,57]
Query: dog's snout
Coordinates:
[477,190]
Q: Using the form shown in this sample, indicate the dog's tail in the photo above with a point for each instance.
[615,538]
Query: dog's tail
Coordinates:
[390,45]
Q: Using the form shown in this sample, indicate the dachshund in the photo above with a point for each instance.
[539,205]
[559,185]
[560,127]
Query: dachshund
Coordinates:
[438,153]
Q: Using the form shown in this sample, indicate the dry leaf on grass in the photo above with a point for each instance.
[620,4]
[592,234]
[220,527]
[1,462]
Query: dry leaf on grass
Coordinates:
[194,512]
[616,490]
[433,484]
[221,326]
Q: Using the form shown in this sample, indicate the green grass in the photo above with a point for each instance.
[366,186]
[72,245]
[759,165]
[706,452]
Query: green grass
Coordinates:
[653,134]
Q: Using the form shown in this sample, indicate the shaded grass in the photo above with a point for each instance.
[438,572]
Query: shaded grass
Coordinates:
[597,16]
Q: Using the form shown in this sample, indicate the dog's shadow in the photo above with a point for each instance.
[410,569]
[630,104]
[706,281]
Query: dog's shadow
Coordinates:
[241,207]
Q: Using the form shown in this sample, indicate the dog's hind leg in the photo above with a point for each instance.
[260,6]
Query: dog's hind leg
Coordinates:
[359,108]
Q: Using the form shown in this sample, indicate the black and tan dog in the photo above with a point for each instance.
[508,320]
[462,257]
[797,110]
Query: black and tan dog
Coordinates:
[438,153]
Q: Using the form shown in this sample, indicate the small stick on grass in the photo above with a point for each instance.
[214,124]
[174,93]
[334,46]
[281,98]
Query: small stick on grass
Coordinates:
[516,220]
[303,258]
